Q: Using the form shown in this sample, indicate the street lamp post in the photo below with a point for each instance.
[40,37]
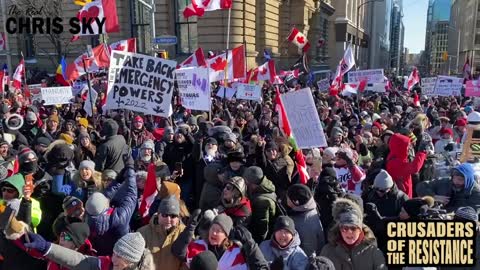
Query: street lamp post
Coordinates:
[357,48]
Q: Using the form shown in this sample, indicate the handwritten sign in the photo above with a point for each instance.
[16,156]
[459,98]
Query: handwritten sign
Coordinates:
[226,93]
[140,83]
[448,86]
[472,89]
[194,86]
[428,86]
[36,92]
[249,91]
[303,118]
[371,75]
[323,85]
[56,95]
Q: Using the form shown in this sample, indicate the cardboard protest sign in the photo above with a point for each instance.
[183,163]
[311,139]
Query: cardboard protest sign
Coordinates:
[226,93]
[194,86]
[371,75]
[248,91]
[36,92]
[303,118]
[140,83]
[57,95]
[428,86]
[323,85]
[448,86]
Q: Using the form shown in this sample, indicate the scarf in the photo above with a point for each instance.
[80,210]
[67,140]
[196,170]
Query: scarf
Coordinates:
[359,240]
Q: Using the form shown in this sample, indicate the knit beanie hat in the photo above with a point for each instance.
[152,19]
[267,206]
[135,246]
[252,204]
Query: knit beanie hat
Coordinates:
[169,206]
[253,175]
[138,119]
[320,263]
[109,174]
[83,135]
[30,116]
[96,204]
[65,137]
[235,156]
[225,222]
[383,180]
[72,206]
[284,223]
[466,213]
[24,154]
[206,260]
[148,144]
[79,232]
[239,183]
[43,141]
[83,122]
[130,247]
[230,137]
[299,194]
[87,164]
[271,146]
[347,212]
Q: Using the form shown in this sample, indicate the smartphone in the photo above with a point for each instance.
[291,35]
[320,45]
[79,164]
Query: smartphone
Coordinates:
[178,166]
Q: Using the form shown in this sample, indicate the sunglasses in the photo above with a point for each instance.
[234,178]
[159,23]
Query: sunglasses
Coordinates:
[348,228]
[66,237]
[171,216]
[382,190]
[8,190]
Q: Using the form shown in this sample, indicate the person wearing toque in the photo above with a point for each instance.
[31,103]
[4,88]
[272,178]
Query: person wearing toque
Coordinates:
[234,201]
[162,231]
[285,245]
[86,180]
[129,253]
[348,236]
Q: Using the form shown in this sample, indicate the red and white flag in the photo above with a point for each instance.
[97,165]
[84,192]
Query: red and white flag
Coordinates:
[235,65]
[198,7]
[19,74]
[75,69]
[127,45]
[467,70]
[299,39]
[265,72]
[195,60]
[98,10]
[149,192]
[347,63]
[3,41]
[413,79]
[294,73]
[416,100]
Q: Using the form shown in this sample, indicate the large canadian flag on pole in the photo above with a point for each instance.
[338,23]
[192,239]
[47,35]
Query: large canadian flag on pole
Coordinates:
[235,65]
[75,69]
[127,45]
[195,60]
[299,39]
[198,7]
[265,72]
[98,10]
[413,79]
[18,75]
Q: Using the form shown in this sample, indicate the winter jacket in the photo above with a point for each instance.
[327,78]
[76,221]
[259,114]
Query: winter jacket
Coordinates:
[365,255]
[85,249]
[231,259]
[293,256]
[110,154]
[75,260]
[398,166]
[84,153]
[83,189]
[240,212]
[108,227]
[140,136]
[390,204]
[160,243]
[309,227]
[278,170]
[350,178]
[468,196]
[264,210]
[326,192]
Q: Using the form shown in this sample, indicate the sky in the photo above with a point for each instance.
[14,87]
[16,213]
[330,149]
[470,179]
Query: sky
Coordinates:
[415,21]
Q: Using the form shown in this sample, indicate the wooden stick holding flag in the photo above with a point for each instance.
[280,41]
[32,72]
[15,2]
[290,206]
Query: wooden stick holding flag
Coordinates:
[89,49]
[26,92]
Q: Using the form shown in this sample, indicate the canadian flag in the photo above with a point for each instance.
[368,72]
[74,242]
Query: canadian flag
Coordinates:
[299,39]
[195,60]
[75,69]
[18,75]
[127,45]
[413,79]
[265,72]
[3,41]
[235,65]
[98,10]
[198,7]
[149,192]
[353,88]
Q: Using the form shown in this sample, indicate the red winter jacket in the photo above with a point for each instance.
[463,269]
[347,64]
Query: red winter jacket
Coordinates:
[398,166]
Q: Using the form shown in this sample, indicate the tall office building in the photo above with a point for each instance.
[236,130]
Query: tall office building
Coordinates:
[438,12]
[397,37]
[379,23]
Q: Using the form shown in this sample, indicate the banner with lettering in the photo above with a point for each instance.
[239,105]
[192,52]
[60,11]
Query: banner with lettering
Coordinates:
[428,86]
[472,89]
[303,118]
[56,95]
[248,91]
[448,86]
[140,83]
[323,85]
[194,86]
[226,93]
[371,75]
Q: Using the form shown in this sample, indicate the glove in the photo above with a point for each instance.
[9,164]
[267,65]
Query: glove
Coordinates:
[372,212]
[449,147]
[194,219]
[242,234]
[37,242]
[423,147]
[277,264]
[345,157]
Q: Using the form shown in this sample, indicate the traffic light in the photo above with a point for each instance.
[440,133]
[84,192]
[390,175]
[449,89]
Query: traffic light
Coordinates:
[162,54]
[445,56]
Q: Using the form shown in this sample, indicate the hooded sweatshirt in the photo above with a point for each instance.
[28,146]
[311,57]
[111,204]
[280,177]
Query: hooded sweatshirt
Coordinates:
[398,166]
[293,256]
[469,174]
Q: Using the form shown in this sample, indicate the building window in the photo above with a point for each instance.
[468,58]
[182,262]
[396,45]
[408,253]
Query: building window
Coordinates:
[141,26]
[186,29]
[29,46]
[477,39]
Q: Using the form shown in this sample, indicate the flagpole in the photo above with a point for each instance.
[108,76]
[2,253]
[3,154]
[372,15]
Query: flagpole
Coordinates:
[89,85]
[244,34]
[225,82]
[24,75]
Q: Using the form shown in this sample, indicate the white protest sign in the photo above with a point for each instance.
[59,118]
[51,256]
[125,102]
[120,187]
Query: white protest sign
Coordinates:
[248,91]
[448,86]
[428,86]
[303,118]
[194,86]
[226,92]
[78,87]
[323,85]
[371,75]
[378,87]
[140,83]
[57,95]
[36,92]
[91,99]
